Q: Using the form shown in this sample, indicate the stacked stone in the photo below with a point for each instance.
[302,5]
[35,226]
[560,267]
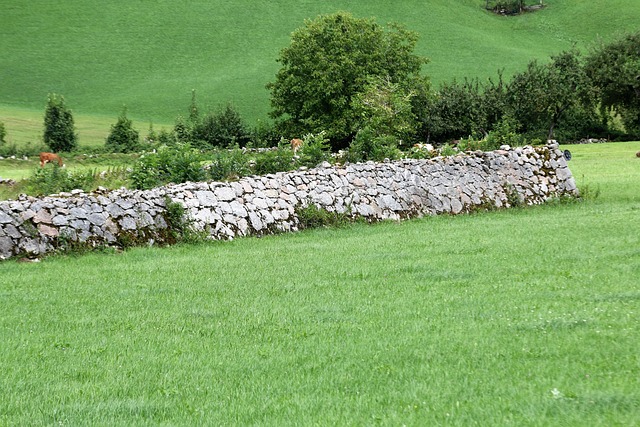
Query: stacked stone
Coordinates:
[265,204]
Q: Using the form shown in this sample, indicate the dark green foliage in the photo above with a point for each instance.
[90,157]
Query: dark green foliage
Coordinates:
[544,95]
[59,130]
[123,138]
[507,7]
[505,133]
[455,111]
[461,109]
[614,69]
[329,61]
[228,164]
[315,150]
[264,135]
[224,128]
[165,137]
[313,216]
[3,133]
[181,130]
[277,160]
[180,226]
[367,145]
[55,179]
[387,108]
[177,164]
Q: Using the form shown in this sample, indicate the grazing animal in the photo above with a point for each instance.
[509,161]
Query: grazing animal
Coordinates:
[49,157]
[295,145]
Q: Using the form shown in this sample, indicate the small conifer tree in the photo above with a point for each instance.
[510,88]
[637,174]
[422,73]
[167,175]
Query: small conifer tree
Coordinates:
[3,133]
[59,130]
[123,138]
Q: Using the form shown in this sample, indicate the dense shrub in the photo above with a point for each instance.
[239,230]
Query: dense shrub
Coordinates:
[59,130]
[228,164]
[368,146]
[614,69]
[505,133]
[508,7]
[544,95]
[54,179]
[123,138]
[387,108]
[312,216]
[224,128]
[3,133]
[29,149]
[455,111]
[177,164]
[315,150]
[265,134]
[279,159]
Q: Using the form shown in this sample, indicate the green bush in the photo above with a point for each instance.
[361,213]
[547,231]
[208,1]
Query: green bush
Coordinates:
[3,133]
[54,179]
[224,128]
[264,135]
[313,217]
[448,150]
[504,133]
[315,150]
[176,164]
[123,138]
[422,151]
[277,160]
[228,164]
[59,130]
[367,146]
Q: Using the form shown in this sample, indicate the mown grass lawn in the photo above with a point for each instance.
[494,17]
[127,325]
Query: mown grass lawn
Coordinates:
[519,317]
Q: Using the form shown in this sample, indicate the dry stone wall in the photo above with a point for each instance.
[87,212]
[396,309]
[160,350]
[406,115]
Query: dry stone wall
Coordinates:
[265,204]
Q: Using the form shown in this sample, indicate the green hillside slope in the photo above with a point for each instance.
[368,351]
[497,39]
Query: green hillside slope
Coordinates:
[149,55]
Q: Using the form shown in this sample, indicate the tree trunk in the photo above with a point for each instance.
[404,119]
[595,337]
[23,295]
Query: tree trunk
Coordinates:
[553,123]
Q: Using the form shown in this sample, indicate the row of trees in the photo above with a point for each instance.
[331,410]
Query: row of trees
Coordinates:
[344,75]
[361,85]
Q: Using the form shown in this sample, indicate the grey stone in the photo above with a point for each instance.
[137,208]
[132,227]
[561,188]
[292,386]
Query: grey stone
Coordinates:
[42,216]
[5,218]
[207,198]
[225,194]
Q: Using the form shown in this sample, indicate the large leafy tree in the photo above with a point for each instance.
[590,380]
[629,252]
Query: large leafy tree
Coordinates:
[544,95]
[59,130]
[614,69]
[329,62]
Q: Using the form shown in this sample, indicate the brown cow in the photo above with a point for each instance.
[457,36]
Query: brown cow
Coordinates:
[295,145]
[50,157]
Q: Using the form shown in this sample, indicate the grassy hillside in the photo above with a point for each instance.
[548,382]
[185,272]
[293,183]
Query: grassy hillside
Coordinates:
[525,317]
[150,55]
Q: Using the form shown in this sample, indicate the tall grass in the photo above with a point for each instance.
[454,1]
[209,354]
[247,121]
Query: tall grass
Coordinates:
[519,317]
[150,55]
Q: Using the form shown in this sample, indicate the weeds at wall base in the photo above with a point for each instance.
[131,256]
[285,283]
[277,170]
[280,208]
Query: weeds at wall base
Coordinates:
[589,192]
[312,216]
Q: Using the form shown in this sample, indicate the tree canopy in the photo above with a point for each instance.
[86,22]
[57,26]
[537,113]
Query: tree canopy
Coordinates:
[330,61]
[59,130]
[615,71]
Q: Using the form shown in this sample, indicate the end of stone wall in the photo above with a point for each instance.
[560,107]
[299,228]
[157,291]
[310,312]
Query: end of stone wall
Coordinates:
[259,205]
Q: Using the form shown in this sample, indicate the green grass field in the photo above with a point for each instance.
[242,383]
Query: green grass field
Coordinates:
[524,317]
[150,55]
